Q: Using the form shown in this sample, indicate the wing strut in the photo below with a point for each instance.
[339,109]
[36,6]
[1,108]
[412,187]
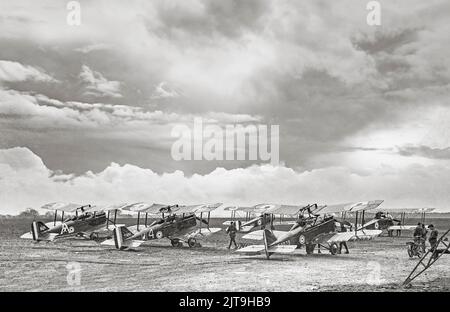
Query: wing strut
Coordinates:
[54,219]
[62,217]
[139,215]
[429,258]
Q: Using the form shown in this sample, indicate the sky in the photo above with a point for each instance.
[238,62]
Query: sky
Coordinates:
[86,112]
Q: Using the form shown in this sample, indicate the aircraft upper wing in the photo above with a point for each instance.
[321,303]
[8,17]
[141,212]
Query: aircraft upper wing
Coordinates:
[196,208]
[145,207]
[66,207]
[107,207]
[350,207]
[238,208]
[407,210]
[277,209]
[291,210]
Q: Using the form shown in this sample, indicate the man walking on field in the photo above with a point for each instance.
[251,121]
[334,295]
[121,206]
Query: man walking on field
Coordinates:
[231,230]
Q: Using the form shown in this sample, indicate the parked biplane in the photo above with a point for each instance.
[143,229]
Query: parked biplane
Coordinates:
[85,221]
[265,215]
[384,220]
[177,223]
[315,227]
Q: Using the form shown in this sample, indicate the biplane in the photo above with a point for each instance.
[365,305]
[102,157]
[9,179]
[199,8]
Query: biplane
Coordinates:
[177,223]
[383,220]
[265,215]
[315,226]
[84,221]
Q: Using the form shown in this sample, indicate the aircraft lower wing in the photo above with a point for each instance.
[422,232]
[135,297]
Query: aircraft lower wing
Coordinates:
[402,227]
[203,232]
[275,249]
[258,235]
[350,236]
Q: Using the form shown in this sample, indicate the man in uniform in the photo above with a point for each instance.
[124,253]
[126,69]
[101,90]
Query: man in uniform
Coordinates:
[231,230]
[343,244]
[433,239]
[424,236]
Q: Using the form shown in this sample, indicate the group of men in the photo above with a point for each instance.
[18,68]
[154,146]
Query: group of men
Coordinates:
[420,235]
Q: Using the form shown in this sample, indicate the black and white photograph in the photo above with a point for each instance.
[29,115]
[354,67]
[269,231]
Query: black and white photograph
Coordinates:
[224,146]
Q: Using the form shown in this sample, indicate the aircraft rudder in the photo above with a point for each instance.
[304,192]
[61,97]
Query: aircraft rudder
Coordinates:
[37,227]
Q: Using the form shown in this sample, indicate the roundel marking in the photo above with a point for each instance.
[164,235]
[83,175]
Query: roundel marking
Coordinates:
[159,234]
[302,239]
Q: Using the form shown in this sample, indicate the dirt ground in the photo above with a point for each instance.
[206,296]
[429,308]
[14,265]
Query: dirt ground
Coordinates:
[378,265]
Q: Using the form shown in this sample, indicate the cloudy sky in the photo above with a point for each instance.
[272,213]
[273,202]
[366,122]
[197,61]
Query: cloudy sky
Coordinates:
[86,112]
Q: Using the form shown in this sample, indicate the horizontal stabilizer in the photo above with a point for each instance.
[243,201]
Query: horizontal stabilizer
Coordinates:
[258,235]
[282,249]
[252,249]
[402,227]
[274,249]
[27,236]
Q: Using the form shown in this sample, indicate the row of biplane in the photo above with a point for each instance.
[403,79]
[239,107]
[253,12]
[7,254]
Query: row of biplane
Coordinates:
[310,226]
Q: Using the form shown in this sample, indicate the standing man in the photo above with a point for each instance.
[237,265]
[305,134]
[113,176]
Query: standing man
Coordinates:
[231,230]
[433,240]
[417,232]
[433,236]
[343,229]
[424,236]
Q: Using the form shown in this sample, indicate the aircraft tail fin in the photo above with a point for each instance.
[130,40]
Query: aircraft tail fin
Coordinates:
[269,238]
[120,234]
[120,239]
[37,228]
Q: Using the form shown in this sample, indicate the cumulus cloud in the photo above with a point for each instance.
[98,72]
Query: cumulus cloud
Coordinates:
[26,182]
[163,91]
[98,85]
[315,68]
[14,71]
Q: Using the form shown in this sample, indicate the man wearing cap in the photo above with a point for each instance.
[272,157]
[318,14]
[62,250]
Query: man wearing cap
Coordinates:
[231,230]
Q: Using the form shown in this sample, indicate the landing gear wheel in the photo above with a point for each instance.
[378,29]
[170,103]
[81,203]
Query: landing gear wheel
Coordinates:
[192,242]
[410,253]
[334,249]
[419,252]
[174,242]
[302,239]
